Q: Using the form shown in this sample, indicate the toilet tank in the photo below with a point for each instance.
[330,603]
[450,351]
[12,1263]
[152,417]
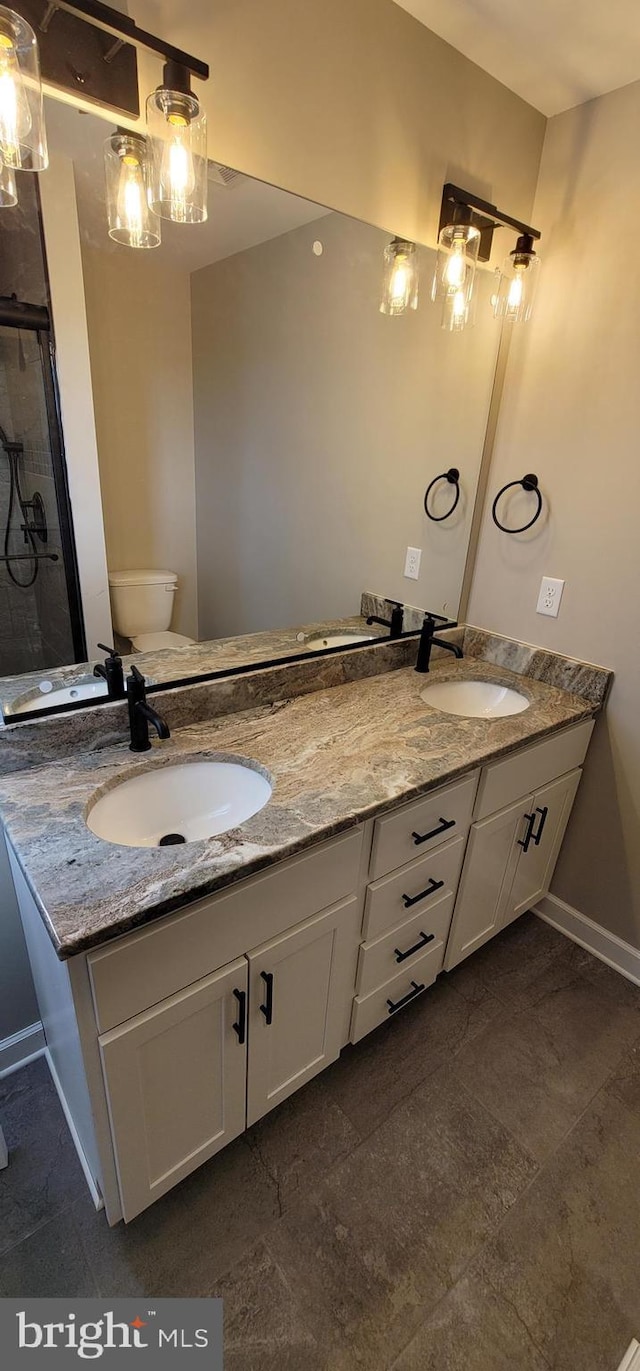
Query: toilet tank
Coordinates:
[142,601]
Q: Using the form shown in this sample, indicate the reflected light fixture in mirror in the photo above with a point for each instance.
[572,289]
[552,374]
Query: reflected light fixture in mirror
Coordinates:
[518,283]
[178,132]
[455,270]
[400,282]
[23,142]
[131,218]
[8,191]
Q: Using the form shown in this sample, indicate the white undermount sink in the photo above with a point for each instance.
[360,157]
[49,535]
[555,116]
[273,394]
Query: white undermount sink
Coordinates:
[46,696]
[179,804]
[474,699]
[339,640]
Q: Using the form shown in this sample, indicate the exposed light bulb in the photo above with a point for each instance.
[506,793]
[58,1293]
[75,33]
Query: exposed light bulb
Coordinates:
[513,301]
[456,267]
[400,283]
[15,116]
[178,174]
[178,133]
[454,274]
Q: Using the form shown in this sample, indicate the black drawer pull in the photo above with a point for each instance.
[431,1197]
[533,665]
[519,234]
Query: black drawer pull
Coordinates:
[413,899]
[424,939]
[241,1026]
[543,819]
[443,825]
[267,1007]
[400,1004]
[524,842]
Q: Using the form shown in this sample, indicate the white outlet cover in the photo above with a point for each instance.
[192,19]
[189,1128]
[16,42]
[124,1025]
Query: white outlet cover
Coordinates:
[550,596]
[412,563]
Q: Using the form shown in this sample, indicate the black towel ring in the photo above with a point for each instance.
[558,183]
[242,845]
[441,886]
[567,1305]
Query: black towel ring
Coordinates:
[453,477]
[529,482]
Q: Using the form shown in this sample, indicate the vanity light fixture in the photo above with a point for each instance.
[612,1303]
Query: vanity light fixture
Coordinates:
[127,172]
[178,134]
[467,225]
[23,142]
[400,281]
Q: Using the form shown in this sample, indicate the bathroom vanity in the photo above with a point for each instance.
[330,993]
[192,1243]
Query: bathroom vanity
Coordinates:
[397,841]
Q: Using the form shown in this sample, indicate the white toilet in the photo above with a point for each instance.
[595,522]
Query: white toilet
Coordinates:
[141,607]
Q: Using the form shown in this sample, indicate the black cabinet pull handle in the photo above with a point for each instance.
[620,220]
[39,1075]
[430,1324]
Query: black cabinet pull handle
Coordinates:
[400,1004]
[543,819]
[424,939]
[413,899]
[241,1026]
[267,1007]
[443,825]
[524,842]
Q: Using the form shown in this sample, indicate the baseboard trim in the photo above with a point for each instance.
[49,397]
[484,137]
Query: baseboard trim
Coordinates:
[609,948]
[95,1193]
[21,1048]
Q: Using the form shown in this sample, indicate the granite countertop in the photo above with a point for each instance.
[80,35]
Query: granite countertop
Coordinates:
[335,758]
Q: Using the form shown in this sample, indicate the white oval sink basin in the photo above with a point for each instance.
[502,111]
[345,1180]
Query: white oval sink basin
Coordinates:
[340,640]
[474,699]
[43,698]
[183,803]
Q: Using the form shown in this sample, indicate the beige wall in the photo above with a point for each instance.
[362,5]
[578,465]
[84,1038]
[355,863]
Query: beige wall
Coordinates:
[140,345]
[353,104]
[319,422]
[571,412]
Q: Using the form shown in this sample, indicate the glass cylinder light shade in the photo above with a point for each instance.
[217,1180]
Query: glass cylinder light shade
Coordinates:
[514,298]
[23,141]
[454,274]
[8,191]
[131,219]
[178,131]
[400,282]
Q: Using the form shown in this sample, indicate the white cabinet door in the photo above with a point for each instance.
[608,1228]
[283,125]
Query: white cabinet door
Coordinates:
[487,875]
[550,809]
[300,992]
[175,1079]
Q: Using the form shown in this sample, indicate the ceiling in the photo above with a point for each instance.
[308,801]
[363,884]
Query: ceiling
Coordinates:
[554,53]
[242,213]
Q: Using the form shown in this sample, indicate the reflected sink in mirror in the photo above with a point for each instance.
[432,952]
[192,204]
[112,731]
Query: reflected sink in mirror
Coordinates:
[340,640]
[42,697]
[179,804]
[474,699]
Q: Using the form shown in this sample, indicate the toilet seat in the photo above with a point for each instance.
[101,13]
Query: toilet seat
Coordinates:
[155,642]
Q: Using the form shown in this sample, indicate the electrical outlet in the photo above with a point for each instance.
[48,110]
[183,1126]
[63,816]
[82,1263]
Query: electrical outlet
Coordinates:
[549,597]
[412,563]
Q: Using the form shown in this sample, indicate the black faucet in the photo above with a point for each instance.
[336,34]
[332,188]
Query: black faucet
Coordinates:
[111,672]
[394,624]
[427,641]
[141,714]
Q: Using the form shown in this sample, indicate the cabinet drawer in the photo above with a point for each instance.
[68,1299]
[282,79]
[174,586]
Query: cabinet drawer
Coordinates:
[137,971]
[371,1010]
[532,767]
[432,877]
[401,948]
[422,825]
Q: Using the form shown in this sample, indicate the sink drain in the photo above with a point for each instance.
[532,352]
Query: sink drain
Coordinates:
[170,839]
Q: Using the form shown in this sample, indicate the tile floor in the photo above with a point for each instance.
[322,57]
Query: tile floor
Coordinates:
[462,1190]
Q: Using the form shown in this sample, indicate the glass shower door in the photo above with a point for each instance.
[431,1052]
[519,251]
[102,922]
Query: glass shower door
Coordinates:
[40,616]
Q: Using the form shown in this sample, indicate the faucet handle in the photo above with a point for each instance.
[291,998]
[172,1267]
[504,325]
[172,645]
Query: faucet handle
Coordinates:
[110,651]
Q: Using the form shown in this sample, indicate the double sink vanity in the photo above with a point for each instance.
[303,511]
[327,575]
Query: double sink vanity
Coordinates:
[334,848]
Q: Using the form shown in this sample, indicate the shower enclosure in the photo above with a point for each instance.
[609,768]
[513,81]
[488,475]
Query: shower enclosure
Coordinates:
[40,608]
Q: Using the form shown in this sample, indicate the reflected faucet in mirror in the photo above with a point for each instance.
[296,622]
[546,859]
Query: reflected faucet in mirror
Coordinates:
[112,672]
[394,624]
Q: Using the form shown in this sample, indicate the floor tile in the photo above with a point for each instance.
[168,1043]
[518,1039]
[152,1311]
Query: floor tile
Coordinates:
[20,1083]
[300,1140]
[538,1070]
[392,1227]
[44,1175]
[625,1081]
[49,1263]
[524,961]
[567,1257]
[382,1070]
[190,1237]
[473,1329]
[264,1325]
